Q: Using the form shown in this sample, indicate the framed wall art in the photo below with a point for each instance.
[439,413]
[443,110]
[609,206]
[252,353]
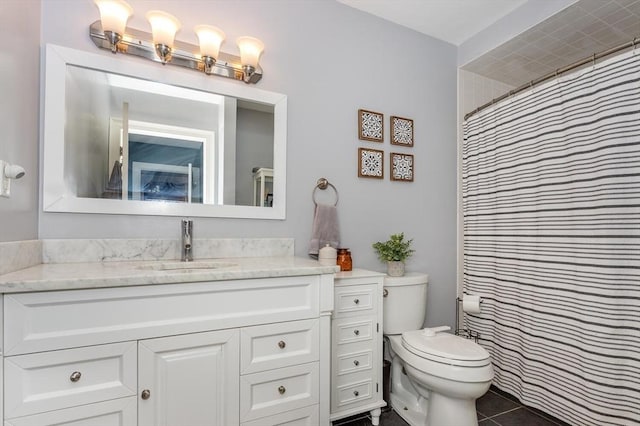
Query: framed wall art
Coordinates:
[401,131]
[370,163]
[370,126]
[402,167]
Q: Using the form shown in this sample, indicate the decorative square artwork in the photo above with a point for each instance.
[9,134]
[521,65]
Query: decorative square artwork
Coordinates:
[401,131]
[402,167]
[370,126]
[370,163]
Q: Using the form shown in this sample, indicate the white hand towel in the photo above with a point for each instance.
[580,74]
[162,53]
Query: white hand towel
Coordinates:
[325,229]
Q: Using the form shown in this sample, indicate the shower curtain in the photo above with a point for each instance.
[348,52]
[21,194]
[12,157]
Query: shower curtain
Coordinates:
[551,205]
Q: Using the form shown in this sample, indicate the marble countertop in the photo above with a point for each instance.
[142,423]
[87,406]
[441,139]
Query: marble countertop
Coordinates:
[71,276]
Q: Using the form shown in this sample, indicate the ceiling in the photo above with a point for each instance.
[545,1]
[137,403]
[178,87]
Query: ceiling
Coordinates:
[453,21]
[578,31]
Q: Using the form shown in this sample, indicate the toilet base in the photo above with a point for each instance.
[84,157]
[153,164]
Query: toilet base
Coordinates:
[412,413]
[405,400]
[445,411]
[416,414]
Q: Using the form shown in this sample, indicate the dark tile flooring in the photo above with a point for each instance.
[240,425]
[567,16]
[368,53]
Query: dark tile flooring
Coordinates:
[495,408]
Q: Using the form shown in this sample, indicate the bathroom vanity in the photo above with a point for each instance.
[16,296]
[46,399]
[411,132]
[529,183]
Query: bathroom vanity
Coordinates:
[233,342]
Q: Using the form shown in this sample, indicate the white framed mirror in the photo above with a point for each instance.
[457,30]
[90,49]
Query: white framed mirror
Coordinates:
[122,136]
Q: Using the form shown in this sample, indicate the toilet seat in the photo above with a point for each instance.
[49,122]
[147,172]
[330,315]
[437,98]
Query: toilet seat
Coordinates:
[445,348]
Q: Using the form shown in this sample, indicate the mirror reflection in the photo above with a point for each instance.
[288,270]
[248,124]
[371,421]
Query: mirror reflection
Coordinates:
[132,139]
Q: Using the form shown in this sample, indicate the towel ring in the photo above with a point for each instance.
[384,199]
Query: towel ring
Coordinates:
[322,184]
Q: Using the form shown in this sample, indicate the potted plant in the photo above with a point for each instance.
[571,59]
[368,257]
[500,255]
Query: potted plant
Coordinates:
[394,251]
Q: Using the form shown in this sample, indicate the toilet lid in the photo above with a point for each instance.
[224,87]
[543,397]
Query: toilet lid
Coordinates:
[446,348]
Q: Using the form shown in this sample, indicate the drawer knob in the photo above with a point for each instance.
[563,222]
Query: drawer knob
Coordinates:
[356,363]
[385,292]
[281,344]
[356,332]
[146,394]
[75,376]
[356,393]
[282,390]
[356,301]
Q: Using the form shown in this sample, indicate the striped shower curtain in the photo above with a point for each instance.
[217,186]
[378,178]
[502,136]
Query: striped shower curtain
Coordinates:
[551,204]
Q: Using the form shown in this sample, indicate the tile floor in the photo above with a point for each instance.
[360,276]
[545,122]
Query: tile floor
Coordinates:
[495,408]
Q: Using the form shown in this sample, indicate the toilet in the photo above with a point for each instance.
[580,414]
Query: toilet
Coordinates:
[436,376]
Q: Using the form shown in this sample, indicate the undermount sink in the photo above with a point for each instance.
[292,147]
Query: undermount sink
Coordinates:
[187,266]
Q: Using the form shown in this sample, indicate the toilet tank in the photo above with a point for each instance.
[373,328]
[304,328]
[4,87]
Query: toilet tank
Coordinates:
[404,302]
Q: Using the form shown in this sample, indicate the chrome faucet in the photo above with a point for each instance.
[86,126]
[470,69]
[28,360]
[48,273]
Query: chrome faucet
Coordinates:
[187,240]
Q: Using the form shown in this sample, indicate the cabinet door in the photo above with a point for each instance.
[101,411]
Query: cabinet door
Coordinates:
[192,379]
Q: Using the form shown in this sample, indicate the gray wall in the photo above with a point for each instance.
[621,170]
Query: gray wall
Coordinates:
[330,60]
[254,148]
[19,112]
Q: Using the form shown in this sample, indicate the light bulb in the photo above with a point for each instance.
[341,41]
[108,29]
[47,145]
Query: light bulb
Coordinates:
[164,28]
[250,50]
[113,18]
[210,38]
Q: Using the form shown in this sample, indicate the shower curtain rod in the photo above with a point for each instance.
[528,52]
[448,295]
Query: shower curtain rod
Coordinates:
[593,58]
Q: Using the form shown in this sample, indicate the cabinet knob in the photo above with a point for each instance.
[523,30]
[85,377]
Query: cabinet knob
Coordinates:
[282,390]
[356,362]
[356,332]
[356,301]
[75,376]
[282,344]
[356,393]
[146,394]
[385,292]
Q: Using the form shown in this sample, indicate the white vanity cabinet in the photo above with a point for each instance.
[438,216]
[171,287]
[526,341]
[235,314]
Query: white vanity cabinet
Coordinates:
[356,345]
[247,351]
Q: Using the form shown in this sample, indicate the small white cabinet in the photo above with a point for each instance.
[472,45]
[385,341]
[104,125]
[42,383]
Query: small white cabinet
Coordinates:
[263,187]
[238,352]
[356,345]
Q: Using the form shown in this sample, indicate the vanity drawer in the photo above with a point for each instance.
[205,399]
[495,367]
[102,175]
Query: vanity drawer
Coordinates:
[352,330]
[117,412]
[307,416]
[45,321]
[60,379]
[352,393]
[276,391]
[359,299]
[351,362]
[266,347]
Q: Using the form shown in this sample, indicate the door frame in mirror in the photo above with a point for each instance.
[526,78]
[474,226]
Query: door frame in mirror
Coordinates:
[58,197]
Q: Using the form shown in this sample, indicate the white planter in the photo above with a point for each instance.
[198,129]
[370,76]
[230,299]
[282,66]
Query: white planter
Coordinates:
[395,268]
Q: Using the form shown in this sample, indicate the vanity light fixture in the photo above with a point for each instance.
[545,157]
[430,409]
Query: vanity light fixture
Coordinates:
[110,32]
[163,28]
[114,15]
[210,38]
[250,50]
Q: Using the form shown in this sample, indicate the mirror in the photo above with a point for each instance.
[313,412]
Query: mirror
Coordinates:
[125,137]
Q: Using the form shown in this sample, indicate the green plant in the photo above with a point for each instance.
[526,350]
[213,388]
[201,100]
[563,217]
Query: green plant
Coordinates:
[396,248]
